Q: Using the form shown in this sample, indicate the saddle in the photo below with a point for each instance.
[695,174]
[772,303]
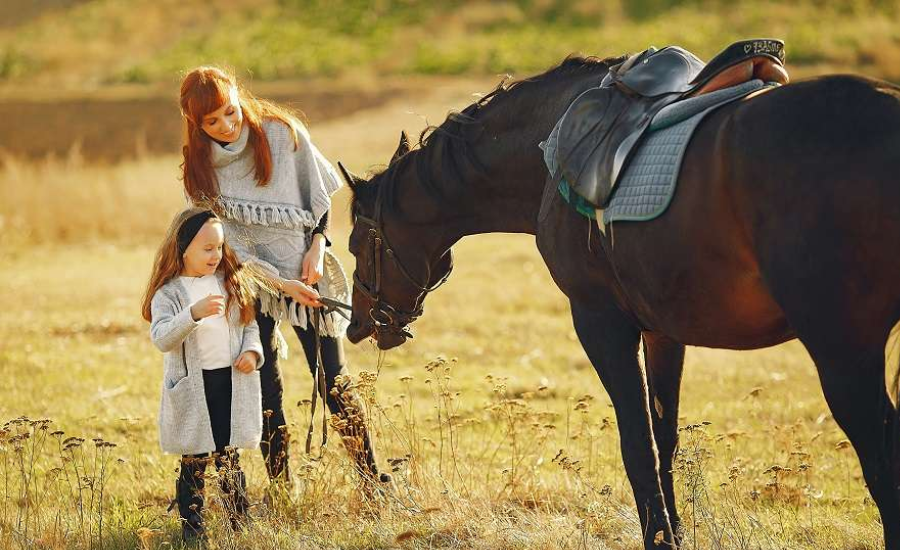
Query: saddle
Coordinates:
[601,129]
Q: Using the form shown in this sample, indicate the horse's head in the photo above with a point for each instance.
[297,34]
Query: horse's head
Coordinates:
[397,262]
[480,171]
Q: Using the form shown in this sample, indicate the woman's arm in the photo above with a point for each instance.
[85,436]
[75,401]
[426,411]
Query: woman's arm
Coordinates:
[169,327]
[313,268]
[322,229]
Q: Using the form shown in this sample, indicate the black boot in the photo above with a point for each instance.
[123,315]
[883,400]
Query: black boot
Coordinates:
[234,487]
[189,494]
[275,447]
[350,423]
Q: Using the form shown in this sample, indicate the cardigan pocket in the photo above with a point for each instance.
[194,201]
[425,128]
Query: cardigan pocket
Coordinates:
[179,394]
[171,378]
[173,385]
[183,420]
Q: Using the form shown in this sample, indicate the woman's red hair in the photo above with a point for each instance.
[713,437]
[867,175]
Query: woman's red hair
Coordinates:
[204,90]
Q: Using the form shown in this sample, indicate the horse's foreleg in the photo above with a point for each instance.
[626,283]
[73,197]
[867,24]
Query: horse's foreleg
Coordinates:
[664,359]
[611,342]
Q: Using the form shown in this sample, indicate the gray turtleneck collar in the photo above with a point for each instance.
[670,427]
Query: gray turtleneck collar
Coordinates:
[225,155]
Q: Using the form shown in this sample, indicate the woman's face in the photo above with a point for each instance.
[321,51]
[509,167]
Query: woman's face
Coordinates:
[203,255]
[224,124]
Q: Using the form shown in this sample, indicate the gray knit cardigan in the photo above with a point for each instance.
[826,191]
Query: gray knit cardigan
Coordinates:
[271,226]
[184,424]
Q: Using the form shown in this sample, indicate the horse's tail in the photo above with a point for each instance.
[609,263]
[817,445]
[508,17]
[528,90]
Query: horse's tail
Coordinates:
[893,353]
[893,448]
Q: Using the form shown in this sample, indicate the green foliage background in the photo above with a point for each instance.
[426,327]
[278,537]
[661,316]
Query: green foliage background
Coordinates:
[278,39]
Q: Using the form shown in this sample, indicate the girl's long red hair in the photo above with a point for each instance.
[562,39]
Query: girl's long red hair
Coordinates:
[204,90]
[240,281]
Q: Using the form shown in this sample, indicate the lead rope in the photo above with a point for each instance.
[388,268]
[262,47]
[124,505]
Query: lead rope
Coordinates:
[318,388]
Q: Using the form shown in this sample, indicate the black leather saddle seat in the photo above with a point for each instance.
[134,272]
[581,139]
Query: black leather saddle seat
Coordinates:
[653,72]
[603,125]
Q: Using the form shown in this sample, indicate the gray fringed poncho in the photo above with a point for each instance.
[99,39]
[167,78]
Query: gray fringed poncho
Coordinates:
[271,226]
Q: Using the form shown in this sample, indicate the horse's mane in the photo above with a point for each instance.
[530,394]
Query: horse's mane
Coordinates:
[443,151]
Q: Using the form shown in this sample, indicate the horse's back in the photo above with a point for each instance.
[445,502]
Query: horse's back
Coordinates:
[794,193]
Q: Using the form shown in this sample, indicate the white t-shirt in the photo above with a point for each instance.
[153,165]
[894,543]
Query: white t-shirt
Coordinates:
[213,336]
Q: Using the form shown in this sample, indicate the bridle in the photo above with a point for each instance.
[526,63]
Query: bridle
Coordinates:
[387,318]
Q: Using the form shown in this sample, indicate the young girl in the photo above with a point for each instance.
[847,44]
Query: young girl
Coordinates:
[200,305]
[254,160]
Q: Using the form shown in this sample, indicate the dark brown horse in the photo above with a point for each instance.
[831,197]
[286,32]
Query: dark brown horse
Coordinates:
[786,224]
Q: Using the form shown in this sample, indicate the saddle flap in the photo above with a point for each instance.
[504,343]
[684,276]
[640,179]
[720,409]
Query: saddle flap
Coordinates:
[589,137]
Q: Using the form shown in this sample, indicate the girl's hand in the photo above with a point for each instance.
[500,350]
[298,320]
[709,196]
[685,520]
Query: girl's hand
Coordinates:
[313,261]
[214,304]
[246,362]
[301,293]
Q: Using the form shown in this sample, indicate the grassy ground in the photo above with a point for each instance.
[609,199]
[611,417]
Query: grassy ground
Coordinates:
[91,43]
[501,434]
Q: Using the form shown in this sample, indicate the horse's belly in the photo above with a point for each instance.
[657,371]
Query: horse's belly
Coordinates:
[728,309]
[692,276]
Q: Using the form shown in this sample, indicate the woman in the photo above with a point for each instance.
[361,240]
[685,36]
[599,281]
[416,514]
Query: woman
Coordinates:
[254,162]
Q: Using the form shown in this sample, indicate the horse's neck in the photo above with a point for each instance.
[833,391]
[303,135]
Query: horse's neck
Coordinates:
[495,201]
[507,198]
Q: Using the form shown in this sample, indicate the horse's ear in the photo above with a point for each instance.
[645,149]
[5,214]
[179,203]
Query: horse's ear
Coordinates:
[351,179]
[402,148]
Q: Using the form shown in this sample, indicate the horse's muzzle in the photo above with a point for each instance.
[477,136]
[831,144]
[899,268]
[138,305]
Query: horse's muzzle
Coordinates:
[357,332]
[389,340]
[386,339]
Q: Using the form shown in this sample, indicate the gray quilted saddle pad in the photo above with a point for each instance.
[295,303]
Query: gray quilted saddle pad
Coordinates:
[648,184]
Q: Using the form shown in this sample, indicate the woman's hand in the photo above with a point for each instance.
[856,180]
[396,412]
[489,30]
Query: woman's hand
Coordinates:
[301,293]
[214,304]
[313,261]
[246,362]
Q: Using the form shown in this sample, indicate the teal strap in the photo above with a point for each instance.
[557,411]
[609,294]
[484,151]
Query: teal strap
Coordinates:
[580,205]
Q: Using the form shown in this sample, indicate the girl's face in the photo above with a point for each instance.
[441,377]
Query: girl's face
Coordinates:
[224,124]
[203,255]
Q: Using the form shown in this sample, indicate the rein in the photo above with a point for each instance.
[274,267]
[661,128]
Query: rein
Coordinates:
[329,306]
[386,317]
[318,389]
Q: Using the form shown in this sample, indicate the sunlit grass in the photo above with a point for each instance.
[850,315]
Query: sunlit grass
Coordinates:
[499,431]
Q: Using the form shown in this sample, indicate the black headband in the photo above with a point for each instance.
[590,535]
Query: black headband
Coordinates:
[191,227]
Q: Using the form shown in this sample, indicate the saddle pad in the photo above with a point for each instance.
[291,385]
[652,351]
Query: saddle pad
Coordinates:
[648,183]
[682,110]
[650,193]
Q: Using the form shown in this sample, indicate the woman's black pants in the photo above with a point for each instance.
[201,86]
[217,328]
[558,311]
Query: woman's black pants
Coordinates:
[275,439]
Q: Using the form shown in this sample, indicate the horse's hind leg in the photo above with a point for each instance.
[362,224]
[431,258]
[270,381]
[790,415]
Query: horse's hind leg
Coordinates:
[611,342]
[853,381]
[845,331]
[665,363]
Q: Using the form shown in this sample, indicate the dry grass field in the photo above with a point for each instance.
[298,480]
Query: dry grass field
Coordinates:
[498,429]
